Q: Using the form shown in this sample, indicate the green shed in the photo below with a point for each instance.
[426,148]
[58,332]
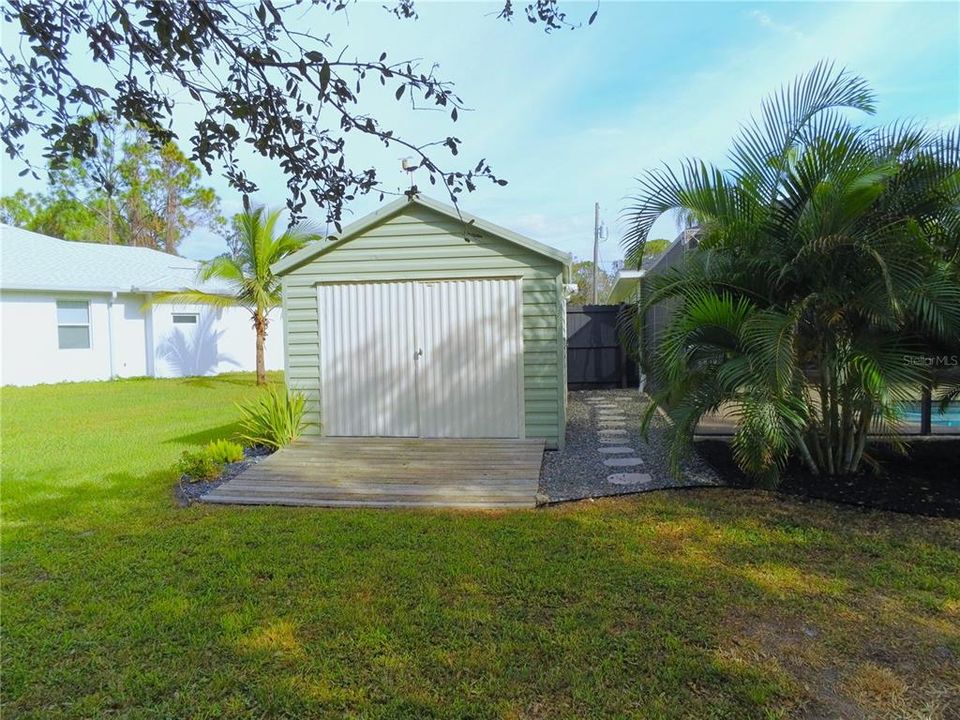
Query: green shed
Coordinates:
[422,321]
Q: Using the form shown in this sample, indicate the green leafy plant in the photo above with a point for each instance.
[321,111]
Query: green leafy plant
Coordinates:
[827,272]
[199,465]
[274,419]
[224,451]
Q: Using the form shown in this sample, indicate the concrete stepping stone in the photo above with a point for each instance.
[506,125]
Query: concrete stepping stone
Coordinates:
[616,449]
[612,431]
[623,462]
[629,478]
[613,439]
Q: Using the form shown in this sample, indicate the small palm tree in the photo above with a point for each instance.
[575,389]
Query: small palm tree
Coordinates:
[827,272]
[247,271]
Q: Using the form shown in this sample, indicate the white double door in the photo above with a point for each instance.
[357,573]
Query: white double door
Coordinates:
[422,359]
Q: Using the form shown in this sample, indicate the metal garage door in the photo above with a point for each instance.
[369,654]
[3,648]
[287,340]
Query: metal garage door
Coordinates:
[428,359]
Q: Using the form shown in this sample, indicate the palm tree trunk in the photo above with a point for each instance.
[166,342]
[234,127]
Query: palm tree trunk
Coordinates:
[260,325]
[807,457]
[826,417]
[866,416]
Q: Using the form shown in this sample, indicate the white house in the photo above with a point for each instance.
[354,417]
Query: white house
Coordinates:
[73,311]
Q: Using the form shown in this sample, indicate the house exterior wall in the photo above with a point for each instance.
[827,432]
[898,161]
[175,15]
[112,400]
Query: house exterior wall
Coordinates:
[129,337]
[29,352]
[420,244]
[126,340]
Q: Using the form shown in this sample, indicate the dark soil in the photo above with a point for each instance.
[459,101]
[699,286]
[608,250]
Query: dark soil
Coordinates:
[925,481]
[188,490]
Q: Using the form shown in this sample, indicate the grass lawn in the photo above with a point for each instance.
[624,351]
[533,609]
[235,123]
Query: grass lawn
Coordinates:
[701,604]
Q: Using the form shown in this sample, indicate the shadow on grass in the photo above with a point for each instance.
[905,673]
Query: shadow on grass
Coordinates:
[228,431]
[274,377]
[39,503]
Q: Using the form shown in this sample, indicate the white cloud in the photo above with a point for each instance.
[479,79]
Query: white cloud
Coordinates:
[765,20]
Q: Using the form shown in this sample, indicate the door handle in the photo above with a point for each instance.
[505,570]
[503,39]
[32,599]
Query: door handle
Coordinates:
[418,354]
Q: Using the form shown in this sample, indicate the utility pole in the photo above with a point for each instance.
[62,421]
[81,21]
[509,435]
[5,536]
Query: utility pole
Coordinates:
[596,249]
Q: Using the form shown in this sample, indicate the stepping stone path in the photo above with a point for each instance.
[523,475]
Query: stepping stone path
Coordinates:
[611,430]
[623,462]
[629,479]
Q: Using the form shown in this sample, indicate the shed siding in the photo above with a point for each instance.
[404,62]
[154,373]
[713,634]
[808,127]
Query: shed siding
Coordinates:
[419,244]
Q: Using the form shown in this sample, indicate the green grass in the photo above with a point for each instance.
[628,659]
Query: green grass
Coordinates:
[705,604]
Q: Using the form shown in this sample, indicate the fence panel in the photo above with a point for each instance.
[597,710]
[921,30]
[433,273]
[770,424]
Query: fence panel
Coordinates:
[595,356]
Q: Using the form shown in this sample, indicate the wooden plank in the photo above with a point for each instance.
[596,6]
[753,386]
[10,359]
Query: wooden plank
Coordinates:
[392,472]
[273,480]
[370,503]
[411,493]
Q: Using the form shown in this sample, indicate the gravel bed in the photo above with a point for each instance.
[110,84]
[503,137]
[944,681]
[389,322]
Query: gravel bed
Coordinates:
[578,471]
[188,492]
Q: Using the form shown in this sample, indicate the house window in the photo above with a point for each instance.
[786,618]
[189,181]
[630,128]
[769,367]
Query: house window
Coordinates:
[73,324]
[185,318]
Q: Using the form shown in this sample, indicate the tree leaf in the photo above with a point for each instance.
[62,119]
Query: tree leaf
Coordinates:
[324,77]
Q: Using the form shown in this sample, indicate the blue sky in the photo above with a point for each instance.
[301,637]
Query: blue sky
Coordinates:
[573,117]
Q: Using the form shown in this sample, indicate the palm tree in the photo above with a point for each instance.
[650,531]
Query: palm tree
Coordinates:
[827,273]
[247,271]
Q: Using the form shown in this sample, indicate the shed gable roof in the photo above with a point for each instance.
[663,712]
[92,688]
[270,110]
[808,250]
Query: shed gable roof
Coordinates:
[387,211]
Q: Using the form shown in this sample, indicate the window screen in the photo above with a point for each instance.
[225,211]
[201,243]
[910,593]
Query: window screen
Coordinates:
[73,324]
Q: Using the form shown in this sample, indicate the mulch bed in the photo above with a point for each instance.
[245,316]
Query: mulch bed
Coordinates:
[925,481]
[188,492]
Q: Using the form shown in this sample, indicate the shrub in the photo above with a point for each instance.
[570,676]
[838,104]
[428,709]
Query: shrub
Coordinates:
[224,451]
[273,420]
[199,466]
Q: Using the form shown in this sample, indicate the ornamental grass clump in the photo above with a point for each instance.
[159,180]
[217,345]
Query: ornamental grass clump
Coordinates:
[273,420]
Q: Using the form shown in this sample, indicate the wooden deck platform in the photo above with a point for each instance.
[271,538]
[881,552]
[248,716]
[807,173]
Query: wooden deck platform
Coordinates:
[391,472]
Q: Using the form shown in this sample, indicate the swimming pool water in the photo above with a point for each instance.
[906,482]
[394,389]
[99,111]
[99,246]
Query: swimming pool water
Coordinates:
[951,418]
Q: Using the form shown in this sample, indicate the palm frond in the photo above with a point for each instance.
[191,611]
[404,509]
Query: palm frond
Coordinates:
[195,297]
[763,148]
